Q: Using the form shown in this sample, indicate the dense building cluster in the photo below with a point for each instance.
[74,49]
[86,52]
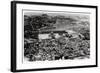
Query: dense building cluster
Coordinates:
[56,49]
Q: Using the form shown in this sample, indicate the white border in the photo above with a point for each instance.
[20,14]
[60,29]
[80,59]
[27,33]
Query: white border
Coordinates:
[49,64]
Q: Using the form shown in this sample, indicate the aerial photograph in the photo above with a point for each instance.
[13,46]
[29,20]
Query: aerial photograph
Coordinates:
[53,36]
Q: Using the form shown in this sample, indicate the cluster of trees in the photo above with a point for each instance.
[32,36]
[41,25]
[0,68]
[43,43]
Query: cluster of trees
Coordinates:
[86,33]
[35,23]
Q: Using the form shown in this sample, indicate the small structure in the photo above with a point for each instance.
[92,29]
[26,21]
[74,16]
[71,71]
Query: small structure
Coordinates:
[46,34]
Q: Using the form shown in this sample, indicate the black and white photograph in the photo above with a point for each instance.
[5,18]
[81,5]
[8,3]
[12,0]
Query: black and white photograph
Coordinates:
[48,36]
[56,36]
